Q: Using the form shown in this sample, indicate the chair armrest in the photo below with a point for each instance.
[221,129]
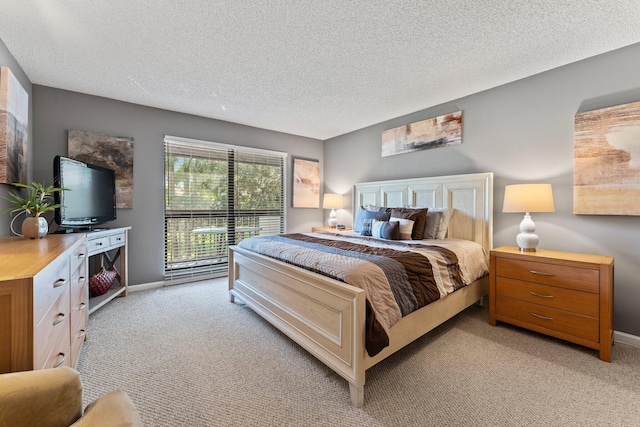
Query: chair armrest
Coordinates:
[112,409]
[48,397]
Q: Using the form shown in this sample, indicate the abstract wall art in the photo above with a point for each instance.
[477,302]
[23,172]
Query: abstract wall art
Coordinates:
[113,152]
[306,183]
[14,126]
[606,177]
[435,132]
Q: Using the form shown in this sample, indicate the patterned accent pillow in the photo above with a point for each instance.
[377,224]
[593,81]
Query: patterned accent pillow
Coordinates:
[357,223]
[418,216]
[367,221]
[389,230]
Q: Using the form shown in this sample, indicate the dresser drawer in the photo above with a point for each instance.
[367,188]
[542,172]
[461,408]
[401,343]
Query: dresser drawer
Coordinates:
[78,258]
[551,318]
[59,354]
[98,244]
[78,329]
[54,320]
[78,283]
[116,240]
[48,285]
[48,351]
[582,279]
[584,303]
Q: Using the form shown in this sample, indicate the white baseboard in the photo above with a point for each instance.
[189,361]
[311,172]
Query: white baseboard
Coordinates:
[145,286]
[626,338]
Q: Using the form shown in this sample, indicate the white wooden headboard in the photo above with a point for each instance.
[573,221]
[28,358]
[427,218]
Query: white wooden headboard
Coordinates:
[470,195]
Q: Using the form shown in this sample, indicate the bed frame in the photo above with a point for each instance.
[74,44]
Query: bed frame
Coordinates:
[326,316]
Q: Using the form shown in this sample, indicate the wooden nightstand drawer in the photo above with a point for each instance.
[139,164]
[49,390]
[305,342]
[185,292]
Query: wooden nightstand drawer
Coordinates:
[550,318]
[563,294]
[584,303]
[551,274]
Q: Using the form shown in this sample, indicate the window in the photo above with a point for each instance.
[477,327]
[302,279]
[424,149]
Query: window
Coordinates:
[215,196]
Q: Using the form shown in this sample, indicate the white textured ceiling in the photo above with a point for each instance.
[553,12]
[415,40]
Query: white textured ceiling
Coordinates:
[316,68]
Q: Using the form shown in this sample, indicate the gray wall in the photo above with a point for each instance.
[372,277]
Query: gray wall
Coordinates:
[7,60]
[522,132]
[56,111]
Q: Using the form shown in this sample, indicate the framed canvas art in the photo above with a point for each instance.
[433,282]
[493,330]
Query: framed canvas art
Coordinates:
[606,173]
[113,152]
[430,133]
[14,127]
[306,183]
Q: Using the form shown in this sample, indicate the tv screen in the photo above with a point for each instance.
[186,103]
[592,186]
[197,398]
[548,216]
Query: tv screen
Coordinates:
[90,198]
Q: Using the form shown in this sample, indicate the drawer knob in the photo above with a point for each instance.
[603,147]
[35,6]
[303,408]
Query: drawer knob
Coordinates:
[82,306]
[59,282]
[541,273]
[541,296]
[62,358]
[541,317]
[61,317]
[81,256]
[82,333]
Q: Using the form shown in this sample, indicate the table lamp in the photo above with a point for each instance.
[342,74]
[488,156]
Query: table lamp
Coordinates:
[528,198]
[333,202]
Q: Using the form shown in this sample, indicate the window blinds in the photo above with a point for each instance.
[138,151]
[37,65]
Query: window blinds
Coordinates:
[215,196]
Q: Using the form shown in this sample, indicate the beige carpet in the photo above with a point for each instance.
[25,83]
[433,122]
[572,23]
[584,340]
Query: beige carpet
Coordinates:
[188,357]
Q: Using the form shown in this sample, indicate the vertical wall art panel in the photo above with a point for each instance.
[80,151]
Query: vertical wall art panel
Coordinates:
[606,178]
[14,125]
[430,133]
[306,183]
[113,152]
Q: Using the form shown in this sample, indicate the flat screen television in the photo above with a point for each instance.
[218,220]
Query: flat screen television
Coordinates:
[91,196]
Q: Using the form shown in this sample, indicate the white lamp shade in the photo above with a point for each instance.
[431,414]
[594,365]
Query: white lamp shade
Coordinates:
[528,198]
[332,201]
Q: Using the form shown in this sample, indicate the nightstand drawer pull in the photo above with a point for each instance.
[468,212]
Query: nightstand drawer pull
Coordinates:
[541,273]
[541,296]
[59,282]
[541,317]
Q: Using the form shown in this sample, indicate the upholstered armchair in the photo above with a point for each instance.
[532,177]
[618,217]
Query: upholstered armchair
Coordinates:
[53,398]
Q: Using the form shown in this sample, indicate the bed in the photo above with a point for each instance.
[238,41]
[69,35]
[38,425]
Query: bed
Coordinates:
[328,317]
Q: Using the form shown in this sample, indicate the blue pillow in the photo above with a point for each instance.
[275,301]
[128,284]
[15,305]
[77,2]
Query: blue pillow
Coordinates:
[359,217]
[386,230]
[367,220]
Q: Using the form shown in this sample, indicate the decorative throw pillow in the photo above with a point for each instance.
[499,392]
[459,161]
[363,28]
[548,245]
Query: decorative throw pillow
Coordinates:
[418,216]
[437,223]
[368,218]
[406,227]
[357,223]
[433,221]
[444,224]
[385,230]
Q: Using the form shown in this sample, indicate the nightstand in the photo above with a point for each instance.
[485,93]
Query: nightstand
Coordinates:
[561,294]
[327,228]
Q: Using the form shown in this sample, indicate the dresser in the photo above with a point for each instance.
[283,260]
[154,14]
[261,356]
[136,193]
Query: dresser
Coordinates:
[43,301]
[561,294]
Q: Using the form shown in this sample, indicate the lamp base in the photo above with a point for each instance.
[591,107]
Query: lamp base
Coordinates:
[527,239]
[333,221]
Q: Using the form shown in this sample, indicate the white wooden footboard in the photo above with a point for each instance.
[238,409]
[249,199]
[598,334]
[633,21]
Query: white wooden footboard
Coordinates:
[325,316]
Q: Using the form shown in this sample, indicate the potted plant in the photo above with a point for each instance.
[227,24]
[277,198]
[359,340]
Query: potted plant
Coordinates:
[37,200]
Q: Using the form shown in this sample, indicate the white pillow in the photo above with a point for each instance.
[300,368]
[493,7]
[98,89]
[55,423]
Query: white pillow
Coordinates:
[406,227]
